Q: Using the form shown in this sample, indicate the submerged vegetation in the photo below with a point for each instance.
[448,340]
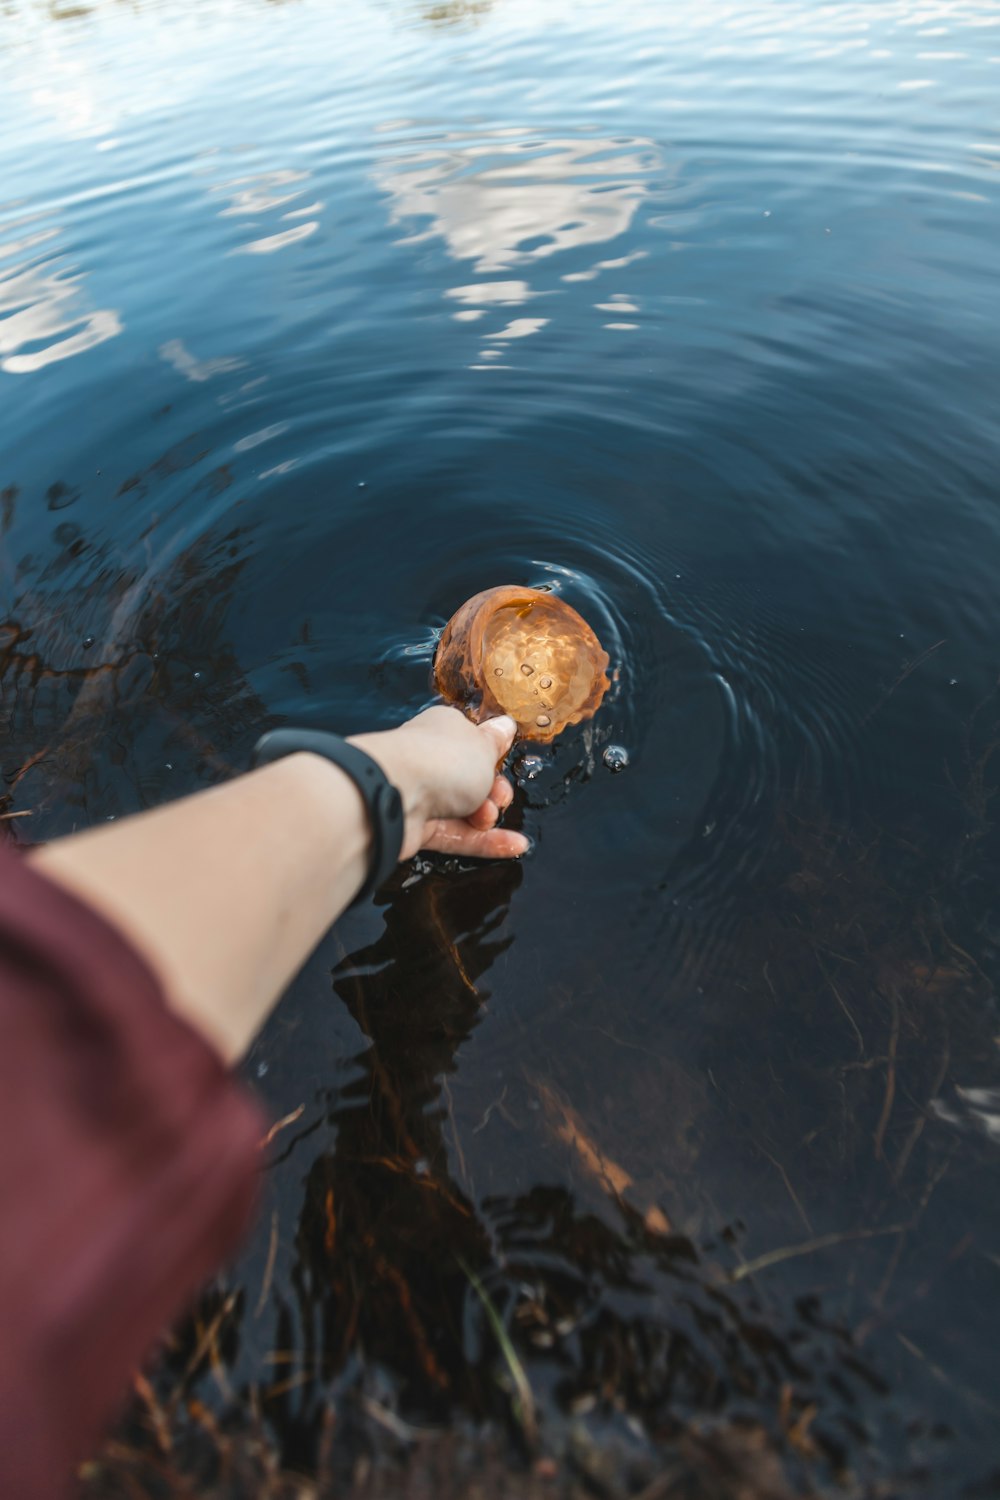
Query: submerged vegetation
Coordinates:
[758,1263]
[604,1332]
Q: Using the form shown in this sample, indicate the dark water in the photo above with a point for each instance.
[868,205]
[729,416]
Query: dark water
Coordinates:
[314,320]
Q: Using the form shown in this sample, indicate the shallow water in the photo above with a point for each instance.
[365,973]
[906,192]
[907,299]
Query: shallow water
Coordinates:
[316,320]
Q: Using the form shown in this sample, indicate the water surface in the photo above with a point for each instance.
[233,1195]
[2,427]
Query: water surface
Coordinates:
[316,320]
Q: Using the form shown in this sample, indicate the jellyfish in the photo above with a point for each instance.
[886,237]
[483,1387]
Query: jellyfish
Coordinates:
[522,652]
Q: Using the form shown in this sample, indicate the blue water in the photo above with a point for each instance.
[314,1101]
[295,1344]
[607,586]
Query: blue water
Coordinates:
[315,320]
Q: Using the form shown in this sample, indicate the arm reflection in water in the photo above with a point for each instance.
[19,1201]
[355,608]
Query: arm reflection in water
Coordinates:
[386,1228]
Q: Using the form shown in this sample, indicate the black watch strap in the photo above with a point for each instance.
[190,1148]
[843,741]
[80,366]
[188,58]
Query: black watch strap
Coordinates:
[382,801]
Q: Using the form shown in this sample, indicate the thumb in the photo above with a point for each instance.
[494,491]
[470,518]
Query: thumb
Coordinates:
[501,731]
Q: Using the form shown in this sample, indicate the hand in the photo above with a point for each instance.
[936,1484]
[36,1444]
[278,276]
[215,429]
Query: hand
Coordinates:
[446,772]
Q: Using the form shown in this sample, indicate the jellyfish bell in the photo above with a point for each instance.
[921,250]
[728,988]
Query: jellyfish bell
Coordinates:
[522,652]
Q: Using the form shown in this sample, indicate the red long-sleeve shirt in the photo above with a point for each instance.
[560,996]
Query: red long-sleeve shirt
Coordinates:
[127,1169]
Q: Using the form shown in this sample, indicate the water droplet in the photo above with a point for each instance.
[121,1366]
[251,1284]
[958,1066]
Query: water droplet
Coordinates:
[169,765]
[110,818]
[88,641]
[616,758]
[953,682]
[498,671]
[529,767]
[527,668]
[422,1166]
[197,676]
[362,484]
[545,682]
[262,1069]
[767,213]
[543,721]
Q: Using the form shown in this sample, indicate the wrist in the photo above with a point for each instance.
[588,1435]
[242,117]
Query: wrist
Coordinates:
[319,785]
[391,750]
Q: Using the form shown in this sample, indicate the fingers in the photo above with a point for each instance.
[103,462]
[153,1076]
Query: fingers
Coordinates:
[502,794]
[497,802]
[457,836]
[453,761]
[501,732]
[484,817]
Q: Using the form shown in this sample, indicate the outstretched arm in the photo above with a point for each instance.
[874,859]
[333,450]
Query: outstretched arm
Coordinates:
[227,892]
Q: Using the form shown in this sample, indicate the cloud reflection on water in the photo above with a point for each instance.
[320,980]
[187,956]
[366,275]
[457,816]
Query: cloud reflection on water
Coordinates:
[510,199]
[44,317]
[257,196]
[510,202]
[198,371]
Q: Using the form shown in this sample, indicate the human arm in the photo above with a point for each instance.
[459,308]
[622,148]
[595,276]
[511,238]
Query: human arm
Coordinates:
[130,1153]
[227,892]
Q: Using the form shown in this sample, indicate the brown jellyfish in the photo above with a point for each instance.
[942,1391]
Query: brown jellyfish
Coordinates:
[522,652]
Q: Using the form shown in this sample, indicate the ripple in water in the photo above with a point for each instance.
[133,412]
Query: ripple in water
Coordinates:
[316,320]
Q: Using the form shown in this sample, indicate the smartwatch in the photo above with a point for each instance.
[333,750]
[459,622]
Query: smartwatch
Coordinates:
[382,801]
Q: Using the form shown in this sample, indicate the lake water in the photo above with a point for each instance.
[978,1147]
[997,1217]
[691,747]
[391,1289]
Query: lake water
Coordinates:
[673,1154]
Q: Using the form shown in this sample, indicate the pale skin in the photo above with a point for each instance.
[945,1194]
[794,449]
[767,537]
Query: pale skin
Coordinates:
[227,892]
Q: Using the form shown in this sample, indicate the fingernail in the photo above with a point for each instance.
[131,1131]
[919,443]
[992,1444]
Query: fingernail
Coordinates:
[504,723]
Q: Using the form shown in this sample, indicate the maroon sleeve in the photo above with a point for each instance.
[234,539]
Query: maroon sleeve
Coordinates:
[127,1171]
